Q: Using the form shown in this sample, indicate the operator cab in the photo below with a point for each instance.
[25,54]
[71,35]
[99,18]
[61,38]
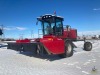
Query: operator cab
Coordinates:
[51,24]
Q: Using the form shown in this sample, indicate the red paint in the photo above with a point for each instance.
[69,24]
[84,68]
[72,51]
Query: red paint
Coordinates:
[72,34]
[54,45]
[23,41]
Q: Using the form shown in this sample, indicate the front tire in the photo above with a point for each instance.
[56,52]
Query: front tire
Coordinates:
[87,46]
[68,50]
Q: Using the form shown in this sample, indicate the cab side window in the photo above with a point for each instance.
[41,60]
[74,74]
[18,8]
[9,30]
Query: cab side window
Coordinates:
[59,28]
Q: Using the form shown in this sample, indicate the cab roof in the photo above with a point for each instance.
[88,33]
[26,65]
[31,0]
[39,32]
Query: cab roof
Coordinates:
[49,16]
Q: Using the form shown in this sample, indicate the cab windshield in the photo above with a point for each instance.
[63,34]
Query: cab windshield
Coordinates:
[52,28]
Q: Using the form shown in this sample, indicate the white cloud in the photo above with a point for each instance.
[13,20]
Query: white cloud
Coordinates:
[14,28]
[96,9]
[9,28]
[6,28]
[20,28]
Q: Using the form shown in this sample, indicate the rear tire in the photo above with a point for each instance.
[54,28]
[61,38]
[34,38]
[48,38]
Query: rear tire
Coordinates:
[68,50]
[87,46]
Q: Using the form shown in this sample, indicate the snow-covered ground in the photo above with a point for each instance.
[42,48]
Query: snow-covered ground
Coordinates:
[81,63]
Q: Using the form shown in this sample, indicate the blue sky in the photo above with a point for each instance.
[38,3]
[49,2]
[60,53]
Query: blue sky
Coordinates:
[19,16]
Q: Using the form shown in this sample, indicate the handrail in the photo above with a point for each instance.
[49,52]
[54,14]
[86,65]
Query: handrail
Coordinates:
[40,33]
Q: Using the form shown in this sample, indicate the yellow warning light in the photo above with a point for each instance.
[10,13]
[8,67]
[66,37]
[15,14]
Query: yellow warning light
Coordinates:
[50,39]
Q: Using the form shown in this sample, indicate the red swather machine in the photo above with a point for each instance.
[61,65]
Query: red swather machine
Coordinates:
[57,39]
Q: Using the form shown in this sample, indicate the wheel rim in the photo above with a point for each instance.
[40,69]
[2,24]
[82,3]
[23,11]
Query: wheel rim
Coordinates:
[69,49]
[88,46]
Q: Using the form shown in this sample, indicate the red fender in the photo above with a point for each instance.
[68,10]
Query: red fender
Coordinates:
[54,45]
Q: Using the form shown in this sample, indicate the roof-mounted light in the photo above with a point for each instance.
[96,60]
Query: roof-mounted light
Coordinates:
[44,17]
